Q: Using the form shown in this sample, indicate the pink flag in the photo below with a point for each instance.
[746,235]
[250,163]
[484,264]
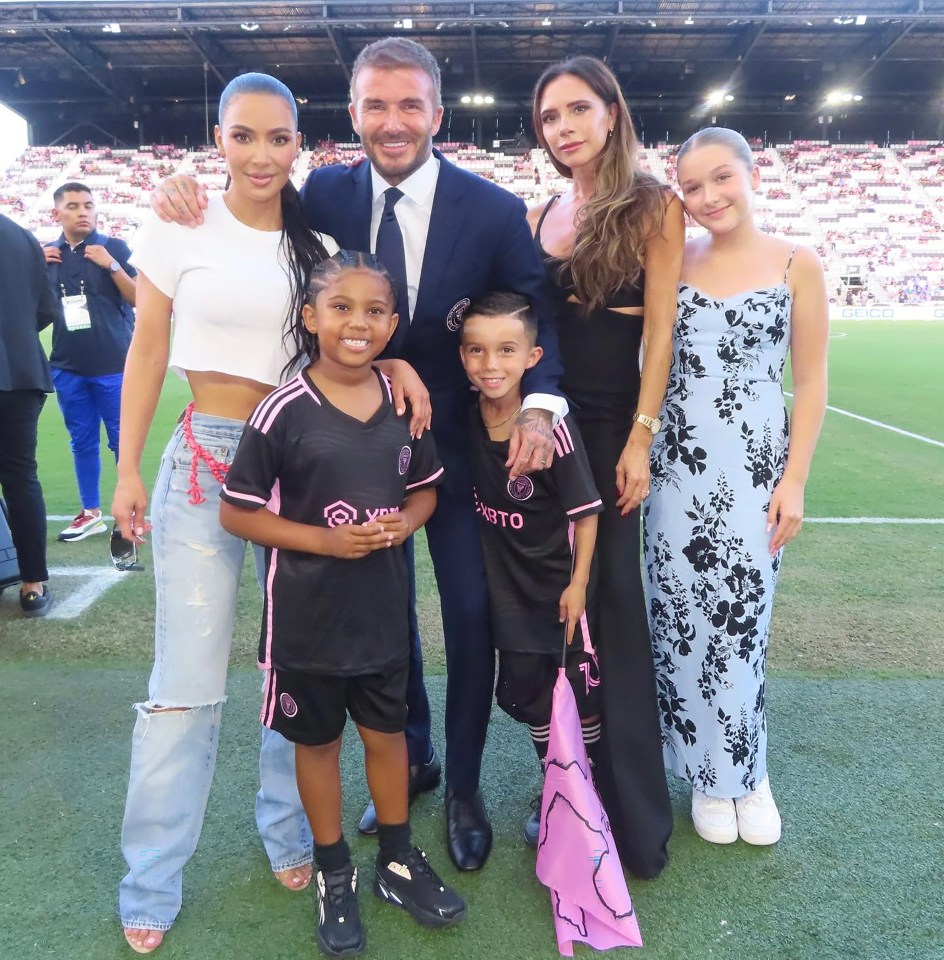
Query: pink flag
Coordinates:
[577,858]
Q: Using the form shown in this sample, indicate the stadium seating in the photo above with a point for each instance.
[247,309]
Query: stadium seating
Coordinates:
[875,214]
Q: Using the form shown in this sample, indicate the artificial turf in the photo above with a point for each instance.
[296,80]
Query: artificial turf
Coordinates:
[858,873]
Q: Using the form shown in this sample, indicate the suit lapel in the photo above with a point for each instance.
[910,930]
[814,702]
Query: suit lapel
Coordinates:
[361,207]
[445,227]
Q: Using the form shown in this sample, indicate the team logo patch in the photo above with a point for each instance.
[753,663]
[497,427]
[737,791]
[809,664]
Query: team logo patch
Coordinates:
[455,315]
[403,464]
[288,705]
[520,488]
[339,513]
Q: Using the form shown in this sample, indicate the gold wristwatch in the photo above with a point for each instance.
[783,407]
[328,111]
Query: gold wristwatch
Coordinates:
[653,424]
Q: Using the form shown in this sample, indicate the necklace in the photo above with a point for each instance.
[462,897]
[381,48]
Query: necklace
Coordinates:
[501,423]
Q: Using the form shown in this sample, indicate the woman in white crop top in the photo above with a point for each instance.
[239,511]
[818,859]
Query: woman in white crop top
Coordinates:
[224,295]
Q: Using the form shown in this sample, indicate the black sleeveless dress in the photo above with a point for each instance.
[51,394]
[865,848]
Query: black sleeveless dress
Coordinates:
[600,353]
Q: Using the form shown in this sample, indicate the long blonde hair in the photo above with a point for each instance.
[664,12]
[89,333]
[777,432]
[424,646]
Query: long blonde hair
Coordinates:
[627,207]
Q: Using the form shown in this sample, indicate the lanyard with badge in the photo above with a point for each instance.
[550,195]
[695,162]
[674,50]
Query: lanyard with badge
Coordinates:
[75,309]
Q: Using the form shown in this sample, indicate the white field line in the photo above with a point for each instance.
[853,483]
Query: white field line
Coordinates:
[98,580]
[902,521]
[884,426]
[62,516]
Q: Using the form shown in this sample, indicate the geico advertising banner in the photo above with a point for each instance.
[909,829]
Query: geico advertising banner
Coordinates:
[889,311]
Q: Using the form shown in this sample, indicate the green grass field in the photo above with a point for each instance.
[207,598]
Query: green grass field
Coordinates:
[856,693]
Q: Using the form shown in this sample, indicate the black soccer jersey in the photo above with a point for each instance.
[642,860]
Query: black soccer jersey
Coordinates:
[525,529]
[308,461]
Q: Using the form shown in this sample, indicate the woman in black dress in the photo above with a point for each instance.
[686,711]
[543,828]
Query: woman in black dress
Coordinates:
[612,244]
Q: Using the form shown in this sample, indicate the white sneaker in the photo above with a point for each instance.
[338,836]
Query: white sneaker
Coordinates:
[758,819]
[714,817]
[85,524]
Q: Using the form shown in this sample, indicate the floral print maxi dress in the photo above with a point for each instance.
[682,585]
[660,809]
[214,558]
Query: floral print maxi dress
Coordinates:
[709,575]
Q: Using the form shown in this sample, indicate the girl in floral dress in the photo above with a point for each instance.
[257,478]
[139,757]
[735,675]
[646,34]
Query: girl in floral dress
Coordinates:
[728,474]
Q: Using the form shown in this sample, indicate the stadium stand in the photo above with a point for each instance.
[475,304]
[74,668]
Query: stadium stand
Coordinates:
[875,214]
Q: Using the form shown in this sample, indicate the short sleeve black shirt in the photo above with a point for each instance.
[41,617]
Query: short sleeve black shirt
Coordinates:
[525,531]
[308,461]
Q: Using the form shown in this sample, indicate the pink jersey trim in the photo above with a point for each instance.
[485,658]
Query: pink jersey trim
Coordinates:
[266,404]
[244,496]
[268,698]
[586,506]
[388,384]
[421,483]
[266,412]
[562,433]
[275,503]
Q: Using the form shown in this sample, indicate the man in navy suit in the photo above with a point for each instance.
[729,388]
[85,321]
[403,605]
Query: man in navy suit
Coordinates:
[461,237]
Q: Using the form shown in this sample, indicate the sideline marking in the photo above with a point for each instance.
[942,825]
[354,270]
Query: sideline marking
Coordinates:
[884,426]
[65,516]
[938,521]
[99,579]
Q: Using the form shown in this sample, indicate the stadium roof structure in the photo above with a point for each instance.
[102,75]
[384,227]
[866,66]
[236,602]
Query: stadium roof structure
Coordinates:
[152,71]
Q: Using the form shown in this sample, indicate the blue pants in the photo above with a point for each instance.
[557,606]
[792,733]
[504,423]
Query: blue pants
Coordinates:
[197,566]
[453,537]
[86,403]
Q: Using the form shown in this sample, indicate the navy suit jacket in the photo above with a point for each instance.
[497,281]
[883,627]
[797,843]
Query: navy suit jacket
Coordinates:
[478,241]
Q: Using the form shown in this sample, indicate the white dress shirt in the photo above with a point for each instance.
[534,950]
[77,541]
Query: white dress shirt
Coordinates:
[413,212]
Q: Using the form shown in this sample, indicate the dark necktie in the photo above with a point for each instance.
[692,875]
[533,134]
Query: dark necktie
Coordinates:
[390,252]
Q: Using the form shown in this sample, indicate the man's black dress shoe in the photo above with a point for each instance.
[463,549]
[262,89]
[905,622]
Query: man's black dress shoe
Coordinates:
[423,777]
[468,831]
[35,604]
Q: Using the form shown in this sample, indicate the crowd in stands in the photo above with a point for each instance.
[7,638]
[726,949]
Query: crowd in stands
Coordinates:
[870,211]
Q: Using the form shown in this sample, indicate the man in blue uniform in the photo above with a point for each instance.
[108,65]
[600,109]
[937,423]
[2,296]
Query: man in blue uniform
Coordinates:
[94,282]
[447,236]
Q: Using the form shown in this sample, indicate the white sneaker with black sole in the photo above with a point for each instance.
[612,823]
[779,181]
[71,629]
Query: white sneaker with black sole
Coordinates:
[715,818]
[412,885]
[339,931]
[758,819]
[86,524]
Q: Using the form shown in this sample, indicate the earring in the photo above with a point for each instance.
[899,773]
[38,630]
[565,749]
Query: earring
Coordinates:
[609,133]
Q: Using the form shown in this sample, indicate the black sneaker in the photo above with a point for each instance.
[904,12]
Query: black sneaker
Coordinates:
[413,886]
[532,826]
[339,931]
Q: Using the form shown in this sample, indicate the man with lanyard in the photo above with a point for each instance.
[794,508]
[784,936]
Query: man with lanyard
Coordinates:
[95,284]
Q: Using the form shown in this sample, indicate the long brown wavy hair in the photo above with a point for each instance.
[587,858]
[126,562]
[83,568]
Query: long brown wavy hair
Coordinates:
[627,207]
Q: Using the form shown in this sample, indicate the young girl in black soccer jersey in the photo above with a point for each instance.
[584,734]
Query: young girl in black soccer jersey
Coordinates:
[538,533]
[344,485]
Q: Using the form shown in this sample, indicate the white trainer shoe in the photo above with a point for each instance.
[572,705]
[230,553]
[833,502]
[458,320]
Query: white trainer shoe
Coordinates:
[85,524]
[758,819]
[715,818]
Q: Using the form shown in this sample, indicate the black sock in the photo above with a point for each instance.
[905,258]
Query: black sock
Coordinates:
[394,841]
[539,737]
[591,739]
[332,856]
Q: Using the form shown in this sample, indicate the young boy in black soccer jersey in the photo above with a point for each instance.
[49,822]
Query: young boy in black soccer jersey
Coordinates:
[538,532]
[344,484]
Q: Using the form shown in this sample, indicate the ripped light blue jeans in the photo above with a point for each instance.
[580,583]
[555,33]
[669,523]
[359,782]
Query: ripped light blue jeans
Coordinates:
[197,566]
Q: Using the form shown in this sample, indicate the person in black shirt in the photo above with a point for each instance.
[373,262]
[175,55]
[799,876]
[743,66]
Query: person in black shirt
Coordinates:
[95,284]
[344,484]
[538,532]
[26,307]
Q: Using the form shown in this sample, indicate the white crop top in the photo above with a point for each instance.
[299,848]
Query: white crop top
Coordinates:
[230,287]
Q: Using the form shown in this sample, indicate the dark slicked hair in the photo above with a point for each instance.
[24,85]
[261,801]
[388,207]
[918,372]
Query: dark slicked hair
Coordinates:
[300,249]
[503,303]
[73,186]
